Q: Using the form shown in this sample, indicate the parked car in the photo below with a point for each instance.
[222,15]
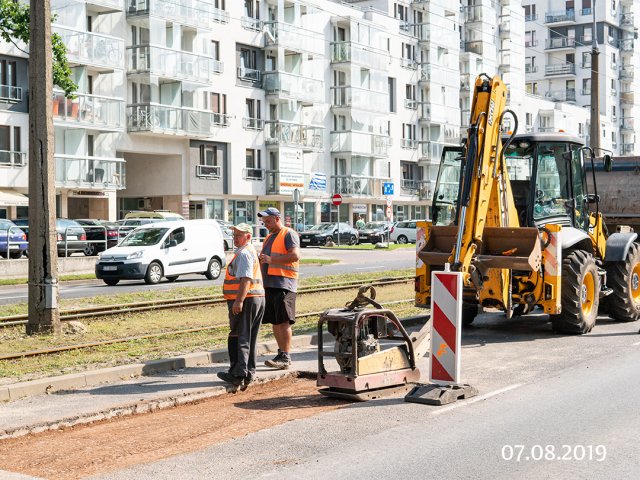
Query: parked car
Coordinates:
[374,232]
[17,240]
[99,230]
[404,232]
[322,233]
[162,215]
[165,249]
[126,226]
[71,236]
[227,234]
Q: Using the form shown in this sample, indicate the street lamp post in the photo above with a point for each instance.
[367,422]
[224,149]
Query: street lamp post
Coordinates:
[594,132]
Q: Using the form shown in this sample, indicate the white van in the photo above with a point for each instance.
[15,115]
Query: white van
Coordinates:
[165,249]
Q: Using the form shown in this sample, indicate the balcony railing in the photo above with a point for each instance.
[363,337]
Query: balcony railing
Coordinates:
[12,159]
[531,18]
[88,48]
[249,74]
[292,37]
[249,123]
[200,13]
[210,172]
[627,20]
[250,23]
[409,185]
[293,134]
[627,124]
[294,86]
[531,43]
[560,42]
[430,72]
[627,72]
[360,54]
[561,16]
[360,143]
[253,173]
[75,171]
[148,117]
[562,69]
[410,104]
[408,63]
[530,68]
[10,94]
[432,151]
[586,11]
[627,45]
[628,148]
[425,189]
[169,63]
[89,110]
[567,95]
[360,98]
[358,185]
[409,143]
[627,97]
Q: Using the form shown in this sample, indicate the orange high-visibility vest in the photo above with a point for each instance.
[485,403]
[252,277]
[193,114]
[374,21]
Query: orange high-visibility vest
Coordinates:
[231,284]
[278,248]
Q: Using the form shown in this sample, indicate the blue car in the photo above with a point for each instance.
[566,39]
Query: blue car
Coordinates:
[17,244]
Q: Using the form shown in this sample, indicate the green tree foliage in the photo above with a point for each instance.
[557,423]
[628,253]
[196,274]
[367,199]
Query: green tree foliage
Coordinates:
[14,27]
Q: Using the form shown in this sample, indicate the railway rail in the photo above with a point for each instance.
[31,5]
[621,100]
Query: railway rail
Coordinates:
[164,304]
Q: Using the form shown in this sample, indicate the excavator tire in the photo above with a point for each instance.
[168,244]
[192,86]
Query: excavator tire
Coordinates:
[469,313]
[580,294]
[624,278]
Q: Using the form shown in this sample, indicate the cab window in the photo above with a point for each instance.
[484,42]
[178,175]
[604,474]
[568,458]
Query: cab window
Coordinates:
[176,235]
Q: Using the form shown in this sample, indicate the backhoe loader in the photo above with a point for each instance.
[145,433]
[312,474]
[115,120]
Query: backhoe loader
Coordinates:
[516,215]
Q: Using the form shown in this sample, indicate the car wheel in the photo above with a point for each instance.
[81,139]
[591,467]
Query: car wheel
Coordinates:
[154,273]
[353,240]
[112,282]
[15,255]
[90,250]
[402,239]
[328,241]
[214,269]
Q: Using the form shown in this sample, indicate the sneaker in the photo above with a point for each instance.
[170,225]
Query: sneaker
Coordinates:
[232,379]
[281,362]
[277,358]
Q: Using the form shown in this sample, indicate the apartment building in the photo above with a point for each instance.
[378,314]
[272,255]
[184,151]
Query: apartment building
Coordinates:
[558,38]
[218,109]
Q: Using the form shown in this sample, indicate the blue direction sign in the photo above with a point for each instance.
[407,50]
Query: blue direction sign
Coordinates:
[387,188]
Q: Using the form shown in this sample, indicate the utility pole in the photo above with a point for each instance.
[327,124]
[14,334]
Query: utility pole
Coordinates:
[594,132]
[44,316]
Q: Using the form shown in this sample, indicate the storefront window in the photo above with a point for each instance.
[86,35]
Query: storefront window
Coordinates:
[309,214]
[242,211]
[289,216]
[377,213]
[215,210]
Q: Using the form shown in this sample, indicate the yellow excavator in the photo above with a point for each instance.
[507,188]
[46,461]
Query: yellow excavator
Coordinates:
[516,215]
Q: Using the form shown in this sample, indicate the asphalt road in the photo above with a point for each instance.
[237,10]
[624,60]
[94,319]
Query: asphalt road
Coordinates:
[350,261]
[549,406]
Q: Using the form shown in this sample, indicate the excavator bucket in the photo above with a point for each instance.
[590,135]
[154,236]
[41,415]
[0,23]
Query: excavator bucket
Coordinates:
[513,248]
[439,244]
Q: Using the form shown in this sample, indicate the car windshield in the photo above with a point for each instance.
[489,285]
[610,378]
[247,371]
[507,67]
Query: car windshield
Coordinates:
[144,237]
[324,226]
[375,225]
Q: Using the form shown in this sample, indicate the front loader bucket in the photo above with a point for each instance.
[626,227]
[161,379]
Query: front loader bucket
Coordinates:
[512,248]
[440,243]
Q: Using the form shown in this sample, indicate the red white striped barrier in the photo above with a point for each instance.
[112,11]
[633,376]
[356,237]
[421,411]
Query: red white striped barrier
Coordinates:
[446,315]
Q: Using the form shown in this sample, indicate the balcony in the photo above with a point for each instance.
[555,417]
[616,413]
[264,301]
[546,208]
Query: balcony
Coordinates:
[410,104]
[472,14]
[409,144]
[292,86]
[249,75]
[627,124]
[627,21]
[75,171]
[12,159]
[106,6]
[627,45]
[359,98]
[360,143]
[409,185]
[367,56]
[358,185]
[627,97]
[250,23]
[249,123]
[88,111]
[156,118]
[255,174]
[559,43]
[292,38]
[567,95]
[561,69]
[10,94]
[628,148]
[425,189]
[432,73]
[307,137]
[627,72]
[409,63]
[530,68]
[93,49]
[431,152]
[199,14]
[168,63]
[474,46]
[562,16]
[586,11]
[208,172]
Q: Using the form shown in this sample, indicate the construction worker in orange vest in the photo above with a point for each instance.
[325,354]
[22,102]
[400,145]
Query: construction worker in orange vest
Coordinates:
[244,292]
[279,261]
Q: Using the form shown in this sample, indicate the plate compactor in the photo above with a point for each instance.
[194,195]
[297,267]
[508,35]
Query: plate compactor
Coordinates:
[376,356]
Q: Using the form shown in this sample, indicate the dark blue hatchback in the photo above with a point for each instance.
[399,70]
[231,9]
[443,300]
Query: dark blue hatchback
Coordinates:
[17,244]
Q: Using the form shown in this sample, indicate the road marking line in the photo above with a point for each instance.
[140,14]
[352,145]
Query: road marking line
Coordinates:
[477,399]
[19,296]
[369,268]
[635,344]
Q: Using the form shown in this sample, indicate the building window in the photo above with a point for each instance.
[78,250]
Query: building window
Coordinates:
[210,162]
[410,96]
[392,94]
[253,114]
[253,170]
[409,136]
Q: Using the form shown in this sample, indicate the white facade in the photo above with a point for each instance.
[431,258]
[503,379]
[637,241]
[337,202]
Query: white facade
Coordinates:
[217,109]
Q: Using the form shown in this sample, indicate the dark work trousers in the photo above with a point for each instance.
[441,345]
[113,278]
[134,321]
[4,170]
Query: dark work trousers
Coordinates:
[244,335]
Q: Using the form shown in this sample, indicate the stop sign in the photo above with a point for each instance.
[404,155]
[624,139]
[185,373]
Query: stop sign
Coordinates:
[336,199]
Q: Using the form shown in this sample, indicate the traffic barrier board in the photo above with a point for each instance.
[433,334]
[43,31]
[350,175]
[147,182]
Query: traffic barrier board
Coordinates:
[446,314]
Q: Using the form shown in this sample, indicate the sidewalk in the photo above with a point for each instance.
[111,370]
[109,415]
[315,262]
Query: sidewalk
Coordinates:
[64,401]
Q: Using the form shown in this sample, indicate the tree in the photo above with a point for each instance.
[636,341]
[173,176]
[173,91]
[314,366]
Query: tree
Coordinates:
[14,28]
